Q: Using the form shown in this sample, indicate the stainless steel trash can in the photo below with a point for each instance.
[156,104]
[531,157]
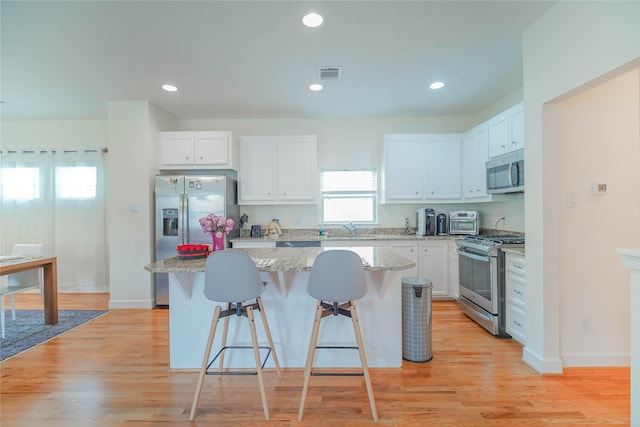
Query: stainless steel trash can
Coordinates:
[416,319]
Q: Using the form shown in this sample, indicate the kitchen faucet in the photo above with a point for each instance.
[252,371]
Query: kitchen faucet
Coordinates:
[351,228]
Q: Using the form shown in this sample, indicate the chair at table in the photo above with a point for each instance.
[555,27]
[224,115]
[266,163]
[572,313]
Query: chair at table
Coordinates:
[336,280]
[20,282]
[233,278]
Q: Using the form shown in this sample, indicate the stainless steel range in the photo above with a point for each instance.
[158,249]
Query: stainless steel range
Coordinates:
[482,287]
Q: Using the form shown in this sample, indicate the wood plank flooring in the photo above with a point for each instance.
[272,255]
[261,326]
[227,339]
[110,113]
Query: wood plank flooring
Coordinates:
[114,371]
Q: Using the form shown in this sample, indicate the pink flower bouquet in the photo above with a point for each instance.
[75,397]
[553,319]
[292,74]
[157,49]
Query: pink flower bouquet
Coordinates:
[216,224]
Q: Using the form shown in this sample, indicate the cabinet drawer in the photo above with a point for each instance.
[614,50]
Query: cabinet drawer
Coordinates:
[516,265]
[516,323]
[516,290]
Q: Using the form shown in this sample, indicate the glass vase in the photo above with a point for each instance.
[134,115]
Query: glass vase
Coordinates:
[218,241]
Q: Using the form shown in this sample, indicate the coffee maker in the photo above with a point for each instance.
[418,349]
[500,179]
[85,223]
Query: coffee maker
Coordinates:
[441,224]
[425,222]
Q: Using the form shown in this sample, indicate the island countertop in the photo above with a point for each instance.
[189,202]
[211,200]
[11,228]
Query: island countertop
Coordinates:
[291,260]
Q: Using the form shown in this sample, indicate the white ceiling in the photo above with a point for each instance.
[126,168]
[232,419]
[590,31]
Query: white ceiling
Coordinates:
[255,59]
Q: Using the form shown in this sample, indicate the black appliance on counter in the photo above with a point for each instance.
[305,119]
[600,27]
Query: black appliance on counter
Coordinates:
[441,224]
[256,231]
[481,266]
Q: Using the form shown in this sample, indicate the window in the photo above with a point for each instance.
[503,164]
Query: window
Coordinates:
[20,183]
[349,196]
[76,182]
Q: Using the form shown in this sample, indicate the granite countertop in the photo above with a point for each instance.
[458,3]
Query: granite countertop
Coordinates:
[514,249]
[343,235]
[291,260]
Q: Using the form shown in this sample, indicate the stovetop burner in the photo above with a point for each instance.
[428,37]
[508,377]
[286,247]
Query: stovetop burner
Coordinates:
[489,242]
[501,239]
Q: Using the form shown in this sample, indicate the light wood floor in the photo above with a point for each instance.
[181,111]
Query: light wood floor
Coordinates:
[114,371]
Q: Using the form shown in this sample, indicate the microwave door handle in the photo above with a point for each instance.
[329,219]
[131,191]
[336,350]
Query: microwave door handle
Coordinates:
[510,174]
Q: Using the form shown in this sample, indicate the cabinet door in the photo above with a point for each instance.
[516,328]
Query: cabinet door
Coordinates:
[176,148]
[409,250]
[404,167]
[257,170]
[516,119]
[475,153]
[499,135]
[434,266]
[213,149]
[297,169]
[443,167]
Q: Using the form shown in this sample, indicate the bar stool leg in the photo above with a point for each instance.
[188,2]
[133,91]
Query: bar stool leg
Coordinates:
[225,331]
[2,318]
[256,353]
[310,356]
[363,358]
[268,333]
[13,307]
[205,361]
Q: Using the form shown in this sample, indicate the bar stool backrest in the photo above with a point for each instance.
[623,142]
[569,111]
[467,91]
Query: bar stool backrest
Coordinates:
[337,276]
[29,278]
[231,276]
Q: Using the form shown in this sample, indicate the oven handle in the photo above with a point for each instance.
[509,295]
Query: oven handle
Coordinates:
[474,256]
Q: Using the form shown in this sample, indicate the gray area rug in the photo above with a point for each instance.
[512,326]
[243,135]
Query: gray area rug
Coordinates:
[29,330]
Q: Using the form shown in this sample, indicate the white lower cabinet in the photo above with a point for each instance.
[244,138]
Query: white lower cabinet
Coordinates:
[432,260]
[515,274]
[409,250]
[434,265]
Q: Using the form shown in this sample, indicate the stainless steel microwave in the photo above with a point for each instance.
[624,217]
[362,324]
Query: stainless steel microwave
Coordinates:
[505,174]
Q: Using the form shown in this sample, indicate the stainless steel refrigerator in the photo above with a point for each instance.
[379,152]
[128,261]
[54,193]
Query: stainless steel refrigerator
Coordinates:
[180,201]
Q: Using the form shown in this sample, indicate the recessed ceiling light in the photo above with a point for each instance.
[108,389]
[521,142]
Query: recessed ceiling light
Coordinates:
[436,85]
[169,88]
[312,20]
[315,87]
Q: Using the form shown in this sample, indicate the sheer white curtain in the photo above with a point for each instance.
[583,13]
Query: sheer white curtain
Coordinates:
[56,197]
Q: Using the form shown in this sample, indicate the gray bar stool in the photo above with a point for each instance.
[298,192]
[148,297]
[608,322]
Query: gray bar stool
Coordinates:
[336,280]
[232,277]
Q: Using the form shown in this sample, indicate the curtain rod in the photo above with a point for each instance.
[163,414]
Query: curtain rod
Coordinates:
[103,150]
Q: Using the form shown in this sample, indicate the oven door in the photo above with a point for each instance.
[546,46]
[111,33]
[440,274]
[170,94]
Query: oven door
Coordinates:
[478,280]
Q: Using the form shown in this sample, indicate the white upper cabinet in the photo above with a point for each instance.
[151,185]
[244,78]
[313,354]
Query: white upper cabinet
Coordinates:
[196,150]
[443,167]
[506,131]
[403,172]
[278,170]
[475,152]
[421,167]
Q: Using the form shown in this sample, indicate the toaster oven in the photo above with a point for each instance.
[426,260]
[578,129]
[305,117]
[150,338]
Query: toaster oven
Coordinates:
[464,222]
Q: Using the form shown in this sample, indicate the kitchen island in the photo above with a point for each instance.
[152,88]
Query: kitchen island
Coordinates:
[290,310]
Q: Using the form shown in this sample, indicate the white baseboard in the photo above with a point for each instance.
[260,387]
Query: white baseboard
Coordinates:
[596,360]
[541,365]
[115,304]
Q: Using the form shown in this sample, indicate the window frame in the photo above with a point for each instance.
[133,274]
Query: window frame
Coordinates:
[363,194]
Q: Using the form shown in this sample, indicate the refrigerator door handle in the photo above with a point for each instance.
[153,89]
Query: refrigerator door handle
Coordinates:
[184,209]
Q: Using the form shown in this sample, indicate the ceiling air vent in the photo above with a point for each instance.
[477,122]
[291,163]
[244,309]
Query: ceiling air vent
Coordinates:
[329,73]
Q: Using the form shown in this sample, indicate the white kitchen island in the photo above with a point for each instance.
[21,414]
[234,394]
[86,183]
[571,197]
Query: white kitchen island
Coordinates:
[290,311]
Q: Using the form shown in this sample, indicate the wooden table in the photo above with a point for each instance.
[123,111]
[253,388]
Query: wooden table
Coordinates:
[50,288]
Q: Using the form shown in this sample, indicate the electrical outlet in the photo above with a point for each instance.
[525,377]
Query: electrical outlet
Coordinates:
[406,221]
[586,324]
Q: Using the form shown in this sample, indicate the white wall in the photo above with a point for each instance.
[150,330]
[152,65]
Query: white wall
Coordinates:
[132,131]
[50,134]
[597,135]
[573,45]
